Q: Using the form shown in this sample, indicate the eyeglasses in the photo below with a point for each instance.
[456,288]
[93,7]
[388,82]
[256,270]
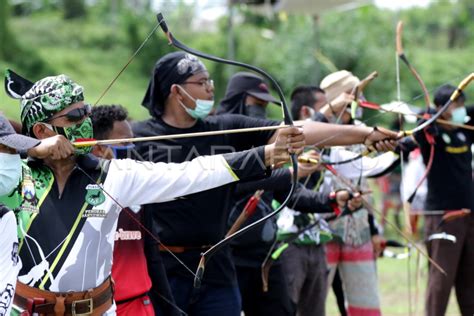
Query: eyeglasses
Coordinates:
[207,83]
[75,115]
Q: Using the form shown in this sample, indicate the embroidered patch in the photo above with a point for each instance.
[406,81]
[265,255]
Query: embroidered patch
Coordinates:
[94,195]
[29,201]
[95,213]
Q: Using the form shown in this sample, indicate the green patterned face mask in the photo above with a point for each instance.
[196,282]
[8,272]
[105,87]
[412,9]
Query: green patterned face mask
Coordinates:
[80,131]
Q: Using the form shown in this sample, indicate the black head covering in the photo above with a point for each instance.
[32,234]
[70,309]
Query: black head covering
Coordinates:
[240,85]
[173,68]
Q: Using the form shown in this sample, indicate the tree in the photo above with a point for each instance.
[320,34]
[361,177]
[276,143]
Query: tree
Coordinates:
[74,9]
[8,44]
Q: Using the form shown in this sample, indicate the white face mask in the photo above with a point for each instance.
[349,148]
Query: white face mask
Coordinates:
[312,113]
[459,115]
[203,107]
[10,172]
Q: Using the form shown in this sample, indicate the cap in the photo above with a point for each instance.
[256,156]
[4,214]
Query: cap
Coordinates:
[10,138]
[338,82]
[252,85]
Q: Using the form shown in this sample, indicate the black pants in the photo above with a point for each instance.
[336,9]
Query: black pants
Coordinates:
[275,302]
[457,259]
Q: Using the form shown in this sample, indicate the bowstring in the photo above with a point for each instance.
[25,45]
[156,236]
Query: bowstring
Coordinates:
[402,179]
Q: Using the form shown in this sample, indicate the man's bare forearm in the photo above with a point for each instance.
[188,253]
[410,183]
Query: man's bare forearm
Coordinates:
[325,134]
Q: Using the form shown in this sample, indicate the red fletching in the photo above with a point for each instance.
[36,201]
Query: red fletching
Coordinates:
[369,105]
[251,205]
[82,140]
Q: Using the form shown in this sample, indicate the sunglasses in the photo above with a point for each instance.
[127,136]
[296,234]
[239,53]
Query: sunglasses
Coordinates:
[75,115]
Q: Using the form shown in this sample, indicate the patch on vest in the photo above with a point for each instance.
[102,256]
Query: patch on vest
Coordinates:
[29,201]
[95,213]
[94,195]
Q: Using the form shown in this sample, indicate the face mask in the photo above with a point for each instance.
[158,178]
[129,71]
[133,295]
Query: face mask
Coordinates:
[256,111]
[80,131]
[312,114]
[121,152]
[10,172]
[202,109]
[459,115]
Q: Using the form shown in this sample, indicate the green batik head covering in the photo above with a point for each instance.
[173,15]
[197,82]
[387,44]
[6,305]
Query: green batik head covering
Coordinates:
[47,97]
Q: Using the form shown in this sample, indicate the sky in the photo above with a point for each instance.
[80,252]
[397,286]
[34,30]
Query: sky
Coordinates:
[213,9]
[218,7]
[401,4]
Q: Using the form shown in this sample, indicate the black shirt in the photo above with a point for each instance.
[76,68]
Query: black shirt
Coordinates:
[199,219]
[449,179]
[250,249]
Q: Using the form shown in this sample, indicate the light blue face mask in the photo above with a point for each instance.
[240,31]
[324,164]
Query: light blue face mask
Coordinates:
[459,115]
[202,109]
[10,172]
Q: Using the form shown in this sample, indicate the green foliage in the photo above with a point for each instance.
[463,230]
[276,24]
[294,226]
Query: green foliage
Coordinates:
[74,9]
[294,49]
[11,50]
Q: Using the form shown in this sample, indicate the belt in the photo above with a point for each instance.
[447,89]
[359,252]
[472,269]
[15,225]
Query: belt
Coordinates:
[131,298]
[181,249]
[93,302]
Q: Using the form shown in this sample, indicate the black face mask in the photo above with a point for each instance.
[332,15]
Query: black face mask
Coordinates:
[256,111]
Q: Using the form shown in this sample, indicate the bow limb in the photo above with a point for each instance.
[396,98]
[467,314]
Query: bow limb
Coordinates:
[358,89]
[432,119]
[364,82]
[176,43]
[377,107]
[287,118]
[462,85]
[402,56]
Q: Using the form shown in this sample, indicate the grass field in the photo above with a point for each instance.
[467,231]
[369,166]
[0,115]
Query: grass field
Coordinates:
[91,66]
